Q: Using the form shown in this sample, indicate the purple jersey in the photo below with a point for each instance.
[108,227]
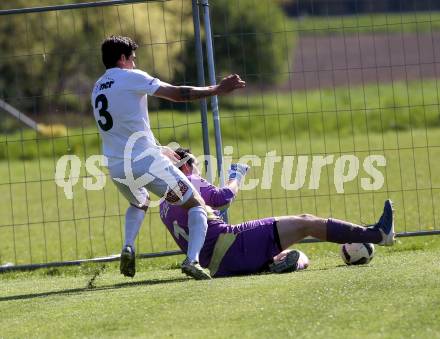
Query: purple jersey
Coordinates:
[228,249]
[176,218]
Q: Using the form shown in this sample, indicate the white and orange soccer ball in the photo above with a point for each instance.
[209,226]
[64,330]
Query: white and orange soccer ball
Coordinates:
[357,253]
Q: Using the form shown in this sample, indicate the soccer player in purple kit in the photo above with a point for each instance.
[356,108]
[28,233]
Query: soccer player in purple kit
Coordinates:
[260,245]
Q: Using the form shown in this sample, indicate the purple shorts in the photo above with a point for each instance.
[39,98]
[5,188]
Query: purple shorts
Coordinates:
[250,248]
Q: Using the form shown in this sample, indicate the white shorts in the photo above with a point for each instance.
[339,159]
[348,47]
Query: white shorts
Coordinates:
[154,173]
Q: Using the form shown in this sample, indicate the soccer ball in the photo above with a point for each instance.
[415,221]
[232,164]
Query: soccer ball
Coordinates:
[357,254]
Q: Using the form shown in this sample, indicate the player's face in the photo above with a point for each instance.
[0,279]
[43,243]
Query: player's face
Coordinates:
[191,169]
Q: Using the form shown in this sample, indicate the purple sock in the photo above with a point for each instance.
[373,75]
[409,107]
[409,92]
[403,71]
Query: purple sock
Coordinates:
[340,231]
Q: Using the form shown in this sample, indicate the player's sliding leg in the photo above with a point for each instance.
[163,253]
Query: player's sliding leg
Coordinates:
[197,225]
[133,222]
[381,233]
[295,228]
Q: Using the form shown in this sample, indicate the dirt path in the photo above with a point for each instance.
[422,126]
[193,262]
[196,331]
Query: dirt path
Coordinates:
[352,60]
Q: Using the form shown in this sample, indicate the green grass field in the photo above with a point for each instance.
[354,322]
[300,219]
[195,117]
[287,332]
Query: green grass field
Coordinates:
[396,296]
[39,224]
[398,121]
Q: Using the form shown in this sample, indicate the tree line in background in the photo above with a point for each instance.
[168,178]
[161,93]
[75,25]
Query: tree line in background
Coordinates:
[50,60]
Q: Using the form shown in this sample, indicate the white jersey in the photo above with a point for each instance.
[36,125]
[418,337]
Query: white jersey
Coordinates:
[120,107]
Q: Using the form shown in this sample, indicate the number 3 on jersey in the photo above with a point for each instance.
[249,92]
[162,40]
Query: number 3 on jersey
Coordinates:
[108,120]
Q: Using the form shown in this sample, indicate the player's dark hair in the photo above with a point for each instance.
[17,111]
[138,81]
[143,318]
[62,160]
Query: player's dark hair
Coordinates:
[113,47]
[183,153]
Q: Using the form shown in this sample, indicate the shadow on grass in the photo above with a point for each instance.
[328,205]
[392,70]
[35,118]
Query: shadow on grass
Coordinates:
[100,288]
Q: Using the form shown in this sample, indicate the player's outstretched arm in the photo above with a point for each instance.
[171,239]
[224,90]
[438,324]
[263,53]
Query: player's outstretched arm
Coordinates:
[221,198]
[235,176]
[189,93]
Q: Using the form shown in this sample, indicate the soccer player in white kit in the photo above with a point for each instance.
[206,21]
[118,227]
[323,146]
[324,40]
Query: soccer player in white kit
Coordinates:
[119,101]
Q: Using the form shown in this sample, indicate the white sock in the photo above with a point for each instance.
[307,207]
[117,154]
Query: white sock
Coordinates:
[133,222]
[197,225]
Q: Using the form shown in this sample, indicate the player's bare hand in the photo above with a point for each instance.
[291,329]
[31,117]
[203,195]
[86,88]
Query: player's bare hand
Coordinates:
[229,84]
